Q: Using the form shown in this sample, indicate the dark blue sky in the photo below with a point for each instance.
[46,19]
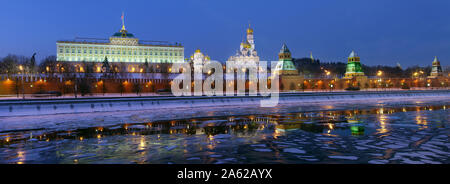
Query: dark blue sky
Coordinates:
[382,32]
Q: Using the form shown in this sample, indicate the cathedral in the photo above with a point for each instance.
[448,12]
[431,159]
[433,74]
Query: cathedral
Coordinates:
[247,51]
[198,59]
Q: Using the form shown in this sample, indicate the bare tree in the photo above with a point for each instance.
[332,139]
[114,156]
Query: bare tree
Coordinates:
[49,66]
[137,88]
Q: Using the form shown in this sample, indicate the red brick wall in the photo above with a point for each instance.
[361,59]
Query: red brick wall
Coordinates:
[12,85]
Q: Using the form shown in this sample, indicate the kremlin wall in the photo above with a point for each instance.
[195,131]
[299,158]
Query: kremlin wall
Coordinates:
[121,65]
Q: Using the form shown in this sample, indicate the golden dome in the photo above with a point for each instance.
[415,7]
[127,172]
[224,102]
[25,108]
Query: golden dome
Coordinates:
[197,51]
[246,45]
[249,31]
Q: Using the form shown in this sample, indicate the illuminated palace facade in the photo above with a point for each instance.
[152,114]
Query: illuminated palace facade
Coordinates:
[122,47]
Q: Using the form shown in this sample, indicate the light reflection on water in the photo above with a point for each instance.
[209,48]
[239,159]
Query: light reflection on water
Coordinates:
[374,135]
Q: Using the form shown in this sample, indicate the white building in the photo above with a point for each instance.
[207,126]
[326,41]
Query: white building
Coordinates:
[120,47]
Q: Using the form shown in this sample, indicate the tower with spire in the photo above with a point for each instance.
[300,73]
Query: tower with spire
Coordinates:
[354,68]
[436,69]
[288,75]
[285,65]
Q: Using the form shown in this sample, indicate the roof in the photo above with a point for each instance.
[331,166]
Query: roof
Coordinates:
[353,54]
[284,49]
[435,59]
[285,65]
[107,42]
[123,35]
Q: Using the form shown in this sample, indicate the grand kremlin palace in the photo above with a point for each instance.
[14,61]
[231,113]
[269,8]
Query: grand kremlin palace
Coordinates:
[121,47]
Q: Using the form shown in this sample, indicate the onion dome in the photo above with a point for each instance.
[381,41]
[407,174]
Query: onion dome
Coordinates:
[246,45]
[249,31]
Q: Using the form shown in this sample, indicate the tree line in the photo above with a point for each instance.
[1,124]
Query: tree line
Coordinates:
[316,69]
[310,68]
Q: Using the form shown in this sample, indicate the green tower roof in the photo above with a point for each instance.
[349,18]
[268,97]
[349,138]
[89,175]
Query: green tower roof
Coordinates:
[123,34]
[285,65]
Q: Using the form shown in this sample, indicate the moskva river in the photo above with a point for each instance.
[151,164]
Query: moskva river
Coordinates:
[377,133]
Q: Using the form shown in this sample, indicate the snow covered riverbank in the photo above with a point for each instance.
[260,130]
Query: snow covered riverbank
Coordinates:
[11,108]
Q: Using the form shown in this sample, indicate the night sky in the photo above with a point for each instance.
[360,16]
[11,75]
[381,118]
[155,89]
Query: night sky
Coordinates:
[410,32]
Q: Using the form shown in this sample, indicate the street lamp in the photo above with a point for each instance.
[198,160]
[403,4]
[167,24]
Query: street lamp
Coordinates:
[380,73]
[328,73]
[23,85]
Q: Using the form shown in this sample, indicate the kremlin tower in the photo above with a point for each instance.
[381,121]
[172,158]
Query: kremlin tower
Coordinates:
[288,75]
[285,65]
[436,70]
[354,67]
